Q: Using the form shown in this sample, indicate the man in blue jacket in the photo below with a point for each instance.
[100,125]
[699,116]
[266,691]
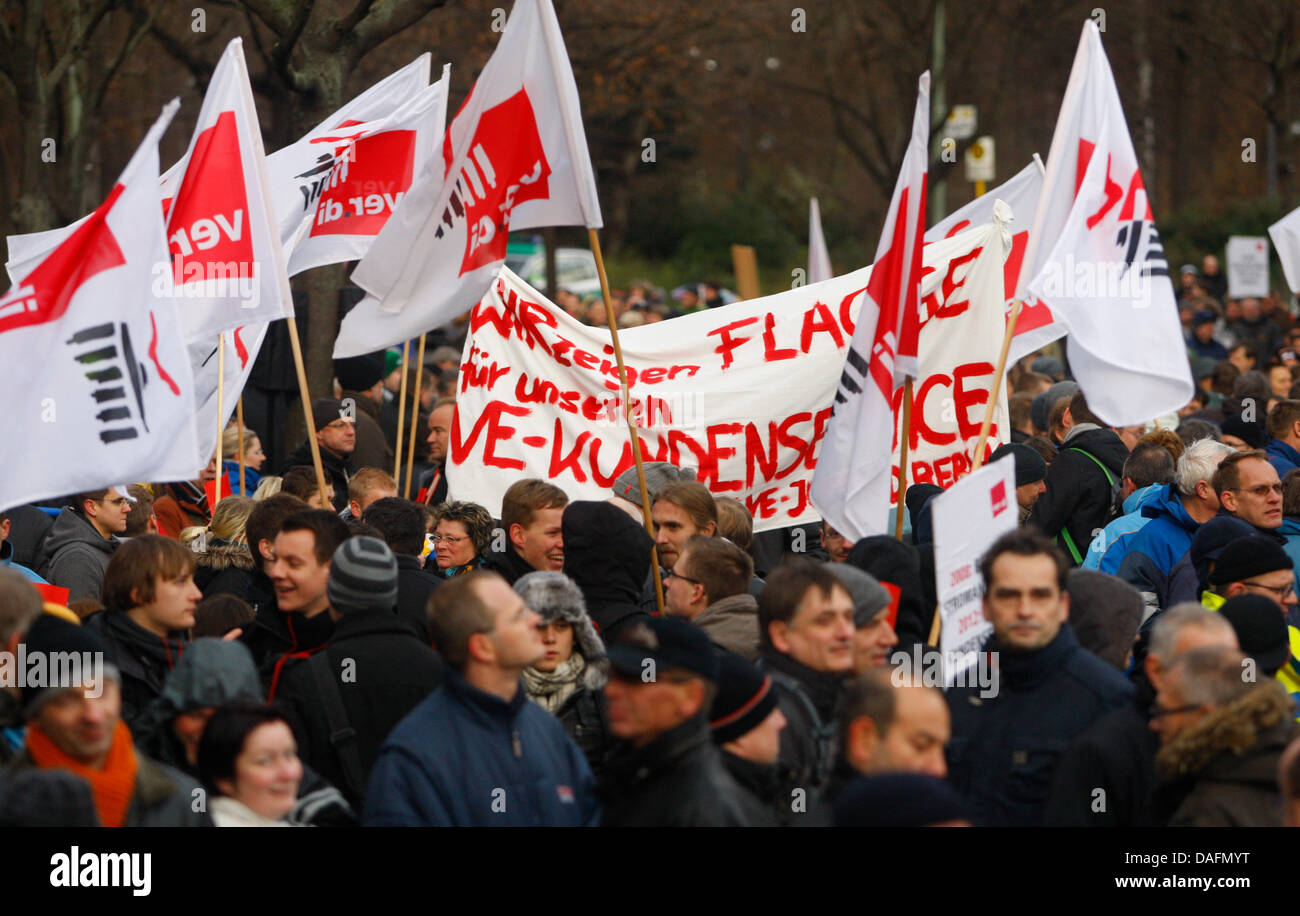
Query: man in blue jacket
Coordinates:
[1284,426]
[1148,557]
[477,752]
[1049,689]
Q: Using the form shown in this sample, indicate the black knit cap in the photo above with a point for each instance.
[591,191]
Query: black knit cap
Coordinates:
[1249,556]
[1261,630]
[326,410]
[1030,466]
[745,698]
[1253,434]
[667,641]
[358,373]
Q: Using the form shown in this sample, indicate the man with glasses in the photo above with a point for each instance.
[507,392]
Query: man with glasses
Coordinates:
[1254,565]
[1005,747]
[1258,566]
[708,585]
[83,539]
[1249,488]
[1117,754]
[336,436]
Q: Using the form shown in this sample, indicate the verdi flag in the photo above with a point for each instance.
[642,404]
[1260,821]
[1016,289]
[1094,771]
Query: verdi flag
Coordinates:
[349,179]
[514,157]
[1096,257]
[101,356]
[301,172]
[227,265]
[851,485]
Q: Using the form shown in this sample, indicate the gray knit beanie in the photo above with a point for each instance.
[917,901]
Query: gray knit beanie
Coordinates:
[363,576]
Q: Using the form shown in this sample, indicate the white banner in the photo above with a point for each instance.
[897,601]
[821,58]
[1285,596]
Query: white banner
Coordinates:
[968,518]
[1247,266]
[742,393]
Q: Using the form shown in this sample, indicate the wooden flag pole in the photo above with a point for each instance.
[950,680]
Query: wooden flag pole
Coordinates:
[239,419]
[905,439]
[401,414]
[415,416]
[978,458]
[221,410]
[303,392]
[631,421]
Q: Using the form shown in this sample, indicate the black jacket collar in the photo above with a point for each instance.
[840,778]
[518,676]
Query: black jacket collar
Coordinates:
[1026,670]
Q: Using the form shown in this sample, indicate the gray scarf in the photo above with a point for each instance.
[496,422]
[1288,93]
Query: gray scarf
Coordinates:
[550,691]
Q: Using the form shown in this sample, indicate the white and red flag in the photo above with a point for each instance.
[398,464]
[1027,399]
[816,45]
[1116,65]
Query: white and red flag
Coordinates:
[227,265]
[1096,257]
[108,392]
[819,259]
[1286,239]
[349,179]
[514,157]
[851,484]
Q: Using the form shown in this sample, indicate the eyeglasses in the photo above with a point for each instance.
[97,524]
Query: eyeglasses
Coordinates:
[453,541]
[119,502]
[1284,591]
[674,574]
[1261,490]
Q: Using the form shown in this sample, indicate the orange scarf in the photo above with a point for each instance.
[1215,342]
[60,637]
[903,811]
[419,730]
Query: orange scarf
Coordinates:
[113,784]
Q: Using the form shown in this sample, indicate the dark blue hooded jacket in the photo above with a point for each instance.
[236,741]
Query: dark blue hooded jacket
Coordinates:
[464,757]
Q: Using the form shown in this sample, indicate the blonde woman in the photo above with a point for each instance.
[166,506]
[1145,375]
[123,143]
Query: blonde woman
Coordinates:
[223,563]
[254,458]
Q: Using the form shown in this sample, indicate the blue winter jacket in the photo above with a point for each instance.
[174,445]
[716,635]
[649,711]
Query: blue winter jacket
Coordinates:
[1291,531]
[1282,456]
[1149,556]
[464,757]
[1116,534]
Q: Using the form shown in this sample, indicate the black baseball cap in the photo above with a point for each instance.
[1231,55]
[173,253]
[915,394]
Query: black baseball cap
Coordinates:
[669,642]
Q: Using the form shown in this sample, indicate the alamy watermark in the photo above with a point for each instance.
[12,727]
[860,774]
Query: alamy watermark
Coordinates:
[58,670]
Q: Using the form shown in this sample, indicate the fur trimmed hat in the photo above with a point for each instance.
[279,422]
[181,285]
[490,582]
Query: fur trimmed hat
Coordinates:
[554,595]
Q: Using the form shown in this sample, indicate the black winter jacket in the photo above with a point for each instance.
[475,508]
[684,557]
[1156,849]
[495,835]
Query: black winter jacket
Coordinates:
[143,659]
[382,669]
[1005,747]
[275,638]
[414,586]
[677,780]
[807,698]
[1116,754]
[338,471]
[1078,496]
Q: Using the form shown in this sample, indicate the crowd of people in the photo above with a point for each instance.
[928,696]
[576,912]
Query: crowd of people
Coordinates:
[372,653]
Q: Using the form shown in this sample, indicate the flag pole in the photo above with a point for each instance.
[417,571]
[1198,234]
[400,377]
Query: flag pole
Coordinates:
[415,416]
[296,346]
[239,418]
[978,458]
[905,436]
[401,413]
[221,409]
[631,421]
